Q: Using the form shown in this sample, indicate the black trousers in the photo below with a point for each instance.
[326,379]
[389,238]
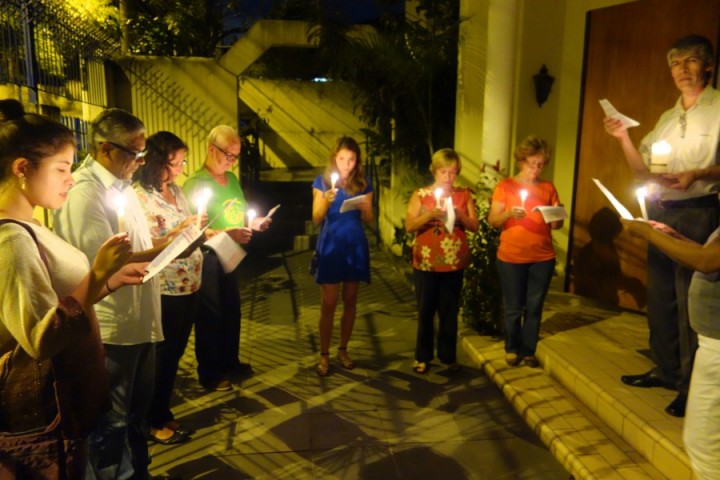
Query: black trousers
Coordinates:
[217,323]
[178,315]
[437,292]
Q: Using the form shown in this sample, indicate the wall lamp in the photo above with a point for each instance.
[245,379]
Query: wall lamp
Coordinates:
[543,84]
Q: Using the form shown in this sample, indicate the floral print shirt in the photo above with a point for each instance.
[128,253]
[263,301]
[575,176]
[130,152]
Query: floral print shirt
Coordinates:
[182,275]
[435,249]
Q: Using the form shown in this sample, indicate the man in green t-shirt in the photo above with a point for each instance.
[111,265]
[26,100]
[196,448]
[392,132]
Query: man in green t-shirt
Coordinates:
[217,325]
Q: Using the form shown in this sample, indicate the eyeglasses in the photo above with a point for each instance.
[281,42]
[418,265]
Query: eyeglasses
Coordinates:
[133,153]
[175,165]
[230,157]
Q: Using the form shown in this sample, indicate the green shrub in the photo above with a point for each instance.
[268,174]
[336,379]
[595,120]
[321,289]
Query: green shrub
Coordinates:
[481,299]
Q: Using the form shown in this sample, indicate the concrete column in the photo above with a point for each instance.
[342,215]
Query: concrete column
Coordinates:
[486,74]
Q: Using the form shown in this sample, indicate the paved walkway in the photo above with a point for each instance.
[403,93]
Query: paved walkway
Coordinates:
[379,421]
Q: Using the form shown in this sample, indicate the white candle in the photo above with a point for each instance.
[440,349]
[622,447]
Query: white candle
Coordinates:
[250,217]
[333,180]
[523,197]
[201,201]
[438,196]
[119,201]
[641,194]
[660,156]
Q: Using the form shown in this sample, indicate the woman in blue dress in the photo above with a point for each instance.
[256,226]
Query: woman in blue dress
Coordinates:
[342,258]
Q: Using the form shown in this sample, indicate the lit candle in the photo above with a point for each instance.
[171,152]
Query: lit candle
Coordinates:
[119,201]
[641,194]
[660,156]
[523,197]
[438,196]
[333,180]
[201,201]
[250,217]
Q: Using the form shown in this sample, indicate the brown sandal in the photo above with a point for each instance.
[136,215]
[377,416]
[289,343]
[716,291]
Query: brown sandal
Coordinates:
[344,359]
[323,368]
[420,367]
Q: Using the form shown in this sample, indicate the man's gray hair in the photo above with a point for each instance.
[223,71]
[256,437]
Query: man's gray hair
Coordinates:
[114,125]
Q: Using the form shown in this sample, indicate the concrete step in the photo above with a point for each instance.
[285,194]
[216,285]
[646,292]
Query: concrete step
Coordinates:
[578,439]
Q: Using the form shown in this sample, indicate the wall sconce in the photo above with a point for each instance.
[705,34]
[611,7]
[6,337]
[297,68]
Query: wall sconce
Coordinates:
[543,84]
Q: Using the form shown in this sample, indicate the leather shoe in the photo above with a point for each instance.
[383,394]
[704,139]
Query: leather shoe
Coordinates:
[677,406]
[646,380]
[217,385]
[176,438]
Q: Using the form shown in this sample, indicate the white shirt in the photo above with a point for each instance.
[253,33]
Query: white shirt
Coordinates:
[131,315]
[693,135]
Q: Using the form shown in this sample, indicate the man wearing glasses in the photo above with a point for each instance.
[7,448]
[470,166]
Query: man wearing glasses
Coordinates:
[129,318]
[217,326]
[686,200]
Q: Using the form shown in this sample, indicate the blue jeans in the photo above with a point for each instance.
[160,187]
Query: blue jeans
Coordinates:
[118,446]
[672,341]
[524,286]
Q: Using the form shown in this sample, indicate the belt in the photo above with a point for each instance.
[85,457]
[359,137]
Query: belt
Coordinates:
[706,201]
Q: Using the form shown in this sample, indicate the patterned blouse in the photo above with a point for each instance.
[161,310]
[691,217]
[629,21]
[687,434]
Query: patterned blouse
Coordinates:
[182,275]
[435,249]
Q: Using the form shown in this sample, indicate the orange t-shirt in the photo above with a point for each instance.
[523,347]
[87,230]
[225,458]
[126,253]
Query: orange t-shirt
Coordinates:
[525,240]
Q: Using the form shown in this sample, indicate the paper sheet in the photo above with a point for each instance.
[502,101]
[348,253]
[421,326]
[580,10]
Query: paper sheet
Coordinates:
[624,212]
[352,203]
[229,253]
[450,220]
[612,112]
[178,246]
[551,214]
[171,252]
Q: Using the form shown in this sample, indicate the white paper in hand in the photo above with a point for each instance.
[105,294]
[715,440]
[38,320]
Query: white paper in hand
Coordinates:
[352,203]
[551,214]
[624,212]
[612,112]
[229,253]
[171,252]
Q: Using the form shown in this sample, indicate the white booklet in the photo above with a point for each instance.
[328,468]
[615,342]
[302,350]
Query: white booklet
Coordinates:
[624,212]
[612,112]
[352,203]
[229,253]
[172,251]
[551,214]
[184,239]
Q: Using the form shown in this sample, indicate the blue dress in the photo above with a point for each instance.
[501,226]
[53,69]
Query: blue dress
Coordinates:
[342,248]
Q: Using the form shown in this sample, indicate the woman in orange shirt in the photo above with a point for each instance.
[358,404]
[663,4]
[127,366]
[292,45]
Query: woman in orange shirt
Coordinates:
[440,254]
[525,257]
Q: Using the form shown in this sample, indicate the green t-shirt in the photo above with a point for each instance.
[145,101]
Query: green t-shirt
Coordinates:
[221,196]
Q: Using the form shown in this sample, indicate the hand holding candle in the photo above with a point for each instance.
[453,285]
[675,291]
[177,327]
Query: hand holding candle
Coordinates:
[201,201]
[438,196]
[333,180]
[641,194]
[251,214]
[523,197]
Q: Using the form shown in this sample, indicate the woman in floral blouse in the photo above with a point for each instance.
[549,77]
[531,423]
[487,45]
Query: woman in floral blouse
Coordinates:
[439,256]
[168,213]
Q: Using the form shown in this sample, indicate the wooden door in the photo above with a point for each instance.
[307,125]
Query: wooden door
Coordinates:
[625,62]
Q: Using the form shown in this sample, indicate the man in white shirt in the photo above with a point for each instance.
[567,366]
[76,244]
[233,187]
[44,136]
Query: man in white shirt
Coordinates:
[129,318]
[686,198]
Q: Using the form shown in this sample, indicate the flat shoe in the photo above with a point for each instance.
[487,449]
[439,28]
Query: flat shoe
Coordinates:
[172,440]
[530,361]
[420,367]
[645,380]
[174,425]
[512,359]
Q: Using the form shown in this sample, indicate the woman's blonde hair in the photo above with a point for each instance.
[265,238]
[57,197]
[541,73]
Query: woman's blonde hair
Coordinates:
[444,158]
[531,146]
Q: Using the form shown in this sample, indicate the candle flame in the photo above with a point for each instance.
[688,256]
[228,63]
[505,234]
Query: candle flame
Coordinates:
[523,195]
[661,148]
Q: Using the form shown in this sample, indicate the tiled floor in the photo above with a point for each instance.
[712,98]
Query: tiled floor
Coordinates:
[379,421]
